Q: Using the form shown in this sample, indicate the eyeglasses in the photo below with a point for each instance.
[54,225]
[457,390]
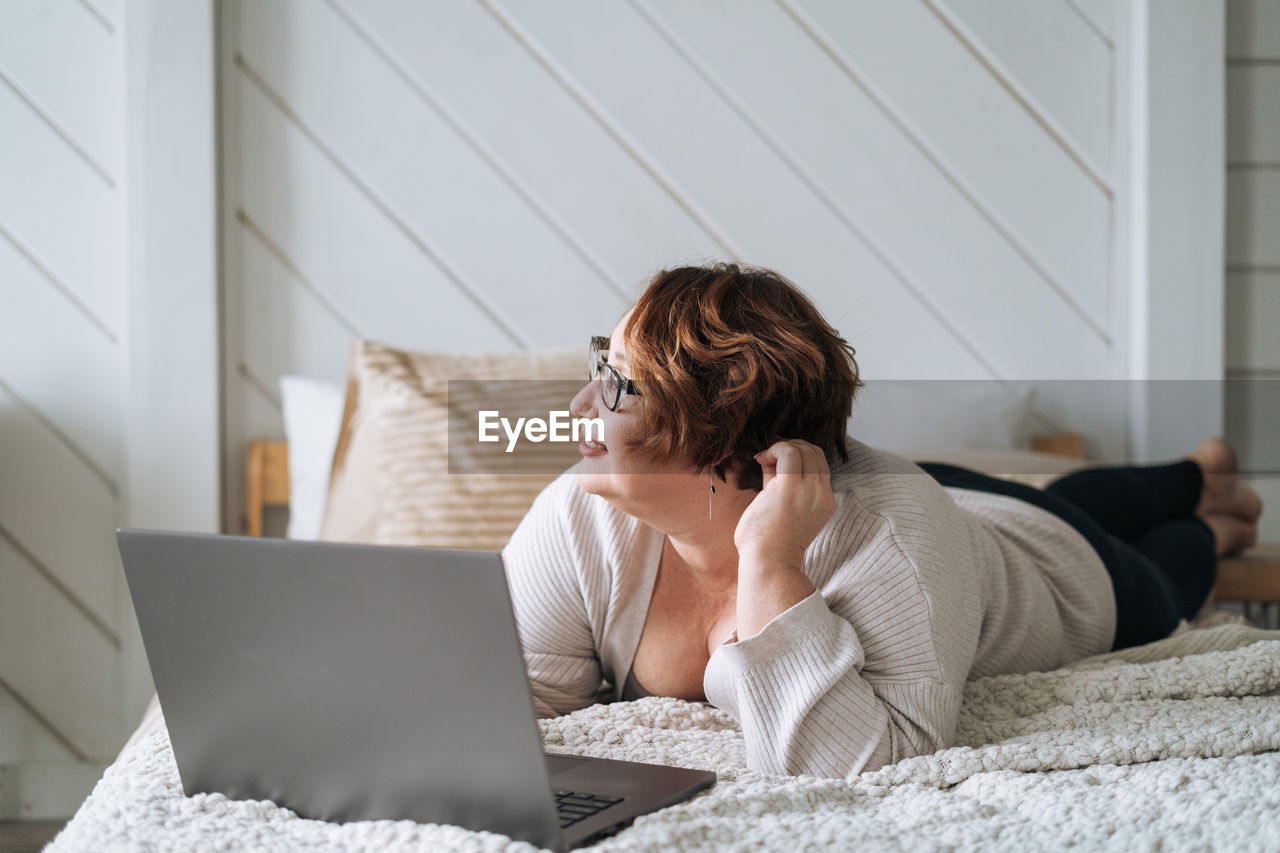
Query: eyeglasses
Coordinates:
[613,386]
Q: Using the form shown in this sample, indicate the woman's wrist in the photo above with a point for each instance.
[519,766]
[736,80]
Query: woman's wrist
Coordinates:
[769,583]
[768,560]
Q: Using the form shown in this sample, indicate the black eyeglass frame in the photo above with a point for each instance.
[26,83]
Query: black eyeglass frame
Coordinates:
[599,360]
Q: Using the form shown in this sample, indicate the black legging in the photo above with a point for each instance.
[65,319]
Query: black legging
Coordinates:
[1161,558]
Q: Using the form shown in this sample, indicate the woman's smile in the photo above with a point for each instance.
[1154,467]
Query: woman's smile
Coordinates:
[592,448]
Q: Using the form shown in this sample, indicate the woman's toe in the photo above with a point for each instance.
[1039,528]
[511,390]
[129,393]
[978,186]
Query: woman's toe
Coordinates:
[1215,456]
[1219,495]
[1230,534]
[1250,504]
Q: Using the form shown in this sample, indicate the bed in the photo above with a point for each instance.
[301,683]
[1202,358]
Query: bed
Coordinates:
[1173,744]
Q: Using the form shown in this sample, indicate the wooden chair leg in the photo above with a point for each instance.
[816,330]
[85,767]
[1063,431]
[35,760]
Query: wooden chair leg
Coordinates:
[1252,576]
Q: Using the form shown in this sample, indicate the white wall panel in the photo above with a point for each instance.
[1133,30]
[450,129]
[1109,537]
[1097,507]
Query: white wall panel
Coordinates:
[108,11]
[495,244]
[62,300]
[1253,250]
[1253,114]
[983,135]
[1253,218]
[315,213]
[63,211]
[44,482]
[748,188]
[568,155]
[26,739]
[1268,488]
[1099,14]
[1253,406]
[1253,312]
[75,385]
[40,777]
[858,160]
[45,790]
[1253,29]
[1055,62]
[74,681]
[316,340]
[55,52]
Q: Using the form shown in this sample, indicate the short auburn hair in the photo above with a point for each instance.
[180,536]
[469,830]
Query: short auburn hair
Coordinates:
[730,359]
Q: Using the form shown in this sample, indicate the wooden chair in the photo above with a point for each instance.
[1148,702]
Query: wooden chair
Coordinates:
[1252,577]
[267,483]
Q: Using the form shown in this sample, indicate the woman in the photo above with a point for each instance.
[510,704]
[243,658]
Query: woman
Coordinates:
[705,549]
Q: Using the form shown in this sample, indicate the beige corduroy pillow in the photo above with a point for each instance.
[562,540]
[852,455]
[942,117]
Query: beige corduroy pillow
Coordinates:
[398,480]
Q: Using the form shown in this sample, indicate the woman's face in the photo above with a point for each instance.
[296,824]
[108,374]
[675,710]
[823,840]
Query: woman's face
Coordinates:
[612,469]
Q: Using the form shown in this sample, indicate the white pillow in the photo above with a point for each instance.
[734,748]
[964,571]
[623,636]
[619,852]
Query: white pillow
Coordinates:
[900,415]
[312,417]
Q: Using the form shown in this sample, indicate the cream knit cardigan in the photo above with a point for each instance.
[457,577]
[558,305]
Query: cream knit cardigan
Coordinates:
[917,589]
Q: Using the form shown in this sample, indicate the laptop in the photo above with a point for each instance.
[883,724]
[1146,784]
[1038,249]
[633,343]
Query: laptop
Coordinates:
[358,682]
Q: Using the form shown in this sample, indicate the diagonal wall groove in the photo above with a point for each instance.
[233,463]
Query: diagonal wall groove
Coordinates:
[56,126]
[526,193]
[74,600]
[52,277]
[846,217]
[339,315]
[387,209]
[64,439]
[850,70]
[1019,95]
[260,387]
[1090,22]
[601,117]
[44,722]
[97,12]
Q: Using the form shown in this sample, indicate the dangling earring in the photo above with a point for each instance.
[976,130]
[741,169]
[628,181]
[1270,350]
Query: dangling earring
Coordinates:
[711,478]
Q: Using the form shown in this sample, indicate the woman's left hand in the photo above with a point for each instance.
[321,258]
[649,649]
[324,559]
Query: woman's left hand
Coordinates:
[796,502]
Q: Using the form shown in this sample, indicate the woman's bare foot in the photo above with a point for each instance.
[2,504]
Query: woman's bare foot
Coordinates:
[1223,493]
[1215,456]
[1230,534]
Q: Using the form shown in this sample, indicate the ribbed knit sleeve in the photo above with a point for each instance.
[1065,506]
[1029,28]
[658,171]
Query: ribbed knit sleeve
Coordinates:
[549,596]
[805,705]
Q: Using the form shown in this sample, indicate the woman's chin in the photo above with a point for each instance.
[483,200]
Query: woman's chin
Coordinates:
[594,482]
[606,484]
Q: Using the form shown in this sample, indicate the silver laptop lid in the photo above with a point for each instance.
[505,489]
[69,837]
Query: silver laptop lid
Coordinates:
[344,682]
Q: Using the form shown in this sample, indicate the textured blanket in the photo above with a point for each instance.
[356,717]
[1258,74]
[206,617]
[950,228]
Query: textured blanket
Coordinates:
[1172,745]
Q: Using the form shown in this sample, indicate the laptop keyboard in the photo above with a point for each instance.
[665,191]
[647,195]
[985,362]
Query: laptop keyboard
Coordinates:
[573,806]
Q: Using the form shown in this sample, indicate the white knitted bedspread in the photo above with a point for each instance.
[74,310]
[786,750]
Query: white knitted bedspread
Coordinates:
[1167,746]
